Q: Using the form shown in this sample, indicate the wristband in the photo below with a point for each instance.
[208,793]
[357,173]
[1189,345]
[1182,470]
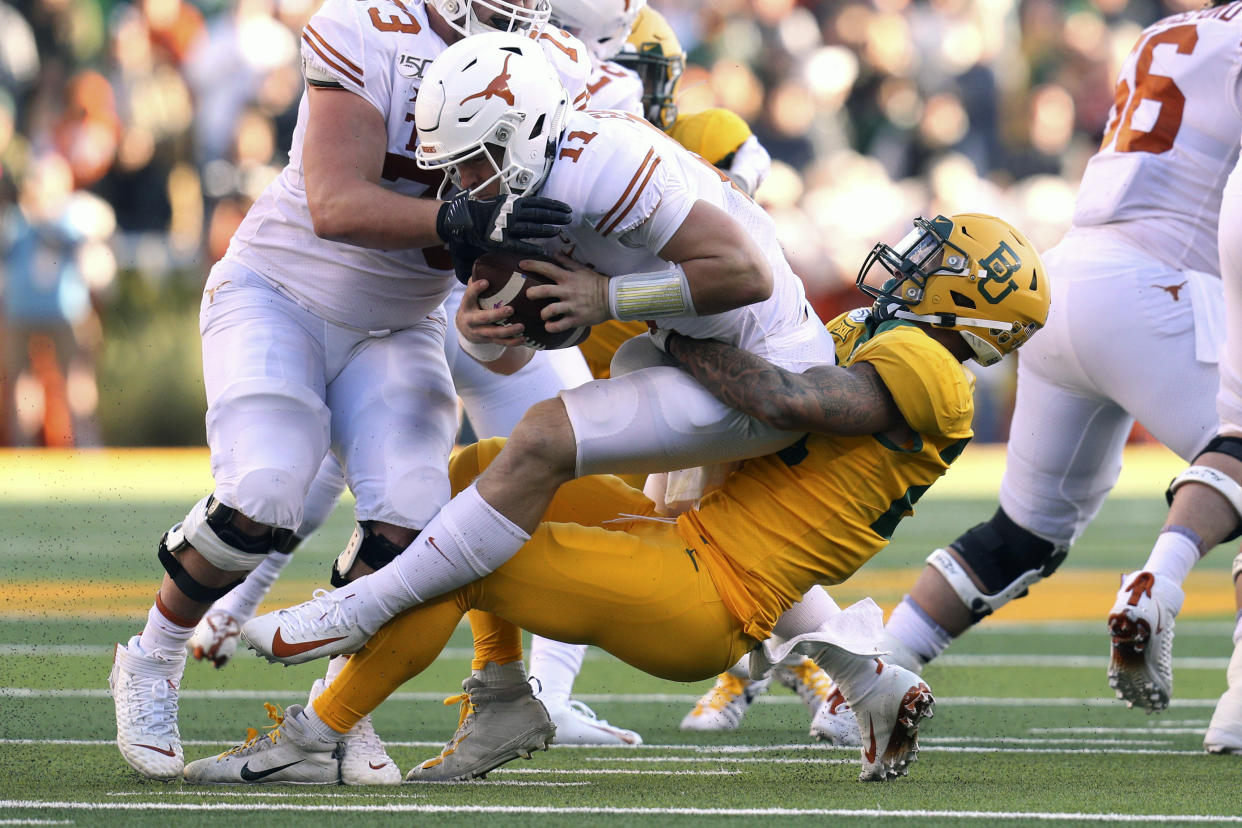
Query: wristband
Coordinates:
[652,295]
[481,351]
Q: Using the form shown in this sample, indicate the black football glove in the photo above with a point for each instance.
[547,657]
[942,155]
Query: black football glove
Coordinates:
[464,256]
[501,223]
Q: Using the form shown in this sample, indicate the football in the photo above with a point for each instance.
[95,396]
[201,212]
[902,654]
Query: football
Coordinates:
[507,284]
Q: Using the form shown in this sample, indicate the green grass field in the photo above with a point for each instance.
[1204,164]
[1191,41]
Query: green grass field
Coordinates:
[1025,731]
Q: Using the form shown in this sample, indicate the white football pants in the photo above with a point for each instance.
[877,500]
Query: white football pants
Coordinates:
[1127,338]
[284,385]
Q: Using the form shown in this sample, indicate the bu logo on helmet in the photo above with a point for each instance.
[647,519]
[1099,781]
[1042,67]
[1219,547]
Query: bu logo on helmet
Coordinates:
[498,87]
[1001,264]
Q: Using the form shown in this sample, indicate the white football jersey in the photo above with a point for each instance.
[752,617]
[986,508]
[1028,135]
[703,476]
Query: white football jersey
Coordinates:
[377,49]
[1172,138]
[631,187]
[612,86]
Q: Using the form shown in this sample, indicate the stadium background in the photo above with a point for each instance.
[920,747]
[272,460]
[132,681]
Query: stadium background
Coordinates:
[143,131]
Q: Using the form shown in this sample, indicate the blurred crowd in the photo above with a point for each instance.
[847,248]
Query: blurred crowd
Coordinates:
[133,137]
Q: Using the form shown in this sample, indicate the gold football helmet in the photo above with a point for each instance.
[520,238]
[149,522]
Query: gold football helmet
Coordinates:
[653,51]
[714,134]
[970,272]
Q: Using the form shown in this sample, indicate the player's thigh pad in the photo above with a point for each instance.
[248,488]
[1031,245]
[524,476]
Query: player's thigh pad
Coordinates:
[1148,357]
[660,419]
[495,402]
[394,418]
[267,425]
[1229,398]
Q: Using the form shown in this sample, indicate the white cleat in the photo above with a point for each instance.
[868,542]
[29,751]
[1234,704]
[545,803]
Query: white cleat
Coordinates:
[144,690]
[364,759]
[808,680]
[215,638]
[888,716]
[835,722]
[1140,625]
[577,724]
[723,706]
[326,625]
[289,753]
[1224,733]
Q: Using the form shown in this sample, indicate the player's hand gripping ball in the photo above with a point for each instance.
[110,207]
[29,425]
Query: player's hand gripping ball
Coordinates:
[507,284]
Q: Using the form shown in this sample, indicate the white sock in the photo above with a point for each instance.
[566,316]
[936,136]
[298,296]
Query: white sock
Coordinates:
[245,598]
[162,638]
[318,726]
[335,665]
[501,675]
[912,628]
[1172,556]
[807,615]
[467,540]
[556,665]
[325,492]
[741,669]
[854,674]
[1233,674]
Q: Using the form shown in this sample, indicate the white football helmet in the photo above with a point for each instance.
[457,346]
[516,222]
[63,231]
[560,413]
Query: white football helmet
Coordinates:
[494,95]
[471,18]
[603,25]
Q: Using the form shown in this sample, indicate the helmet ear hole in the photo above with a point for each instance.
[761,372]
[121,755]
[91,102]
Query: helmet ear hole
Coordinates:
[538,126]
[961,300]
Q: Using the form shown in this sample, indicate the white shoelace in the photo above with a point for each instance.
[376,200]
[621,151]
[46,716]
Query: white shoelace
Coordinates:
[362,739]
[153,707]
[323,613]
[582,711]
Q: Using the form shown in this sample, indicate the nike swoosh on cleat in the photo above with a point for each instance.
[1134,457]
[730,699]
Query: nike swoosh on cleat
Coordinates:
[377,767]
[869,753]
[283,649]
[166,751]
[255,776]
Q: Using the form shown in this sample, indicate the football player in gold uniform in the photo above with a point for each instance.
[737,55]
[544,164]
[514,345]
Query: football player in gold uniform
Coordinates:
[724,140]
[684,599]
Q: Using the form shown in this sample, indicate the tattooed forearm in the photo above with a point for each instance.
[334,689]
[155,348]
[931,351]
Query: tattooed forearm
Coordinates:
[826,399]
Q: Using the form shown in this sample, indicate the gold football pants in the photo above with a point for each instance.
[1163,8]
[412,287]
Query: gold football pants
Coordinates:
[586,576]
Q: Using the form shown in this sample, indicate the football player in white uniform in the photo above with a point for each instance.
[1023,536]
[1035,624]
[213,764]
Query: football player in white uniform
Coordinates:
[688,248]
[604,25]
[494,404]
[1133,335]
[322,329]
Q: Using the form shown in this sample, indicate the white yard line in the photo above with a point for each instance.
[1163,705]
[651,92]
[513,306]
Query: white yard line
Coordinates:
[615,698]
[1154,730]
[950,660]
[720,753]
[552,810]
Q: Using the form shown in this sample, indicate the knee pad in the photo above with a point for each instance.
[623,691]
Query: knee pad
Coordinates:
[1006,559]
[208,527]
[366,545]
[277,432]
[1224,485]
